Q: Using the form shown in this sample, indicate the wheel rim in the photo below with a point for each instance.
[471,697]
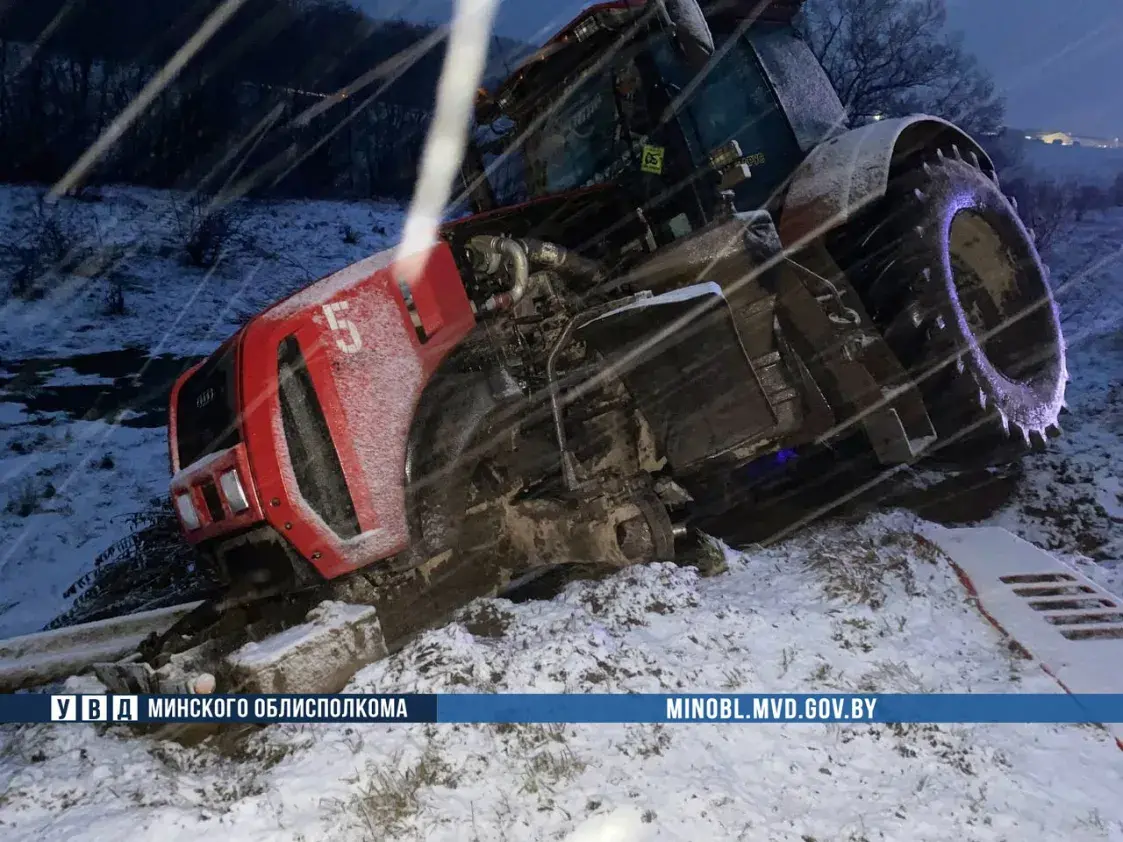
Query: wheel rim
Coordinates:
[1006,305]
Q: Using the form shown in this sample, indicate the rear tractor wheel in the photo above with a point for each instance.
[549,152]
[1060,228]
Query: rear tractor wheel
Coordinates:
[953,278]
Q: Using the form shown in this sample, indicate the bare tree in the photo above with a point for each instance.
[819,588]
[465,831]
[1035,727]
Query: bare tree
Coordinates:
[1049,208]
[1088,198]
[1117,191]
[896,57]
[259,107]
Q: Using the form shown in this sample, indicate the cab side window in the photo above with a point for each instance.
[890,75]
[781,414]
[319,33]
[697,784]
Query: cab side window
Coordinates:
[732,100]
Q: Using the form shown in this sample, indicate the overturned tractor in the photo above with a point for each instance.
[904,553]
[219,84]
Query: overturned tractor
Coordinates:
[680,265]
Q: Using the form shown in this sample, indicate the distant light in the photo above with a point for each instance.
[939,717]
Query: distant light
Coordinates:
[1029,137]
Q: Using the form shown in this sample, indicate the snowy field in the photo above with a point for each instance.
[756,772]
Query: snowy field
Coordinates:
[1083,165]
[68,484]
[871,609]
[838,608]
[274,248]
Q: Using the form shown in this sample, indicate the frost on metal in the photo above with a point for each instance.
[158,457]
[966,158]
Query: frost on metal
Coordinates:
[200,465]
[1067,621]
[808,97]
[676,296]
[843,175]
[38,658]
[378,403]
[1035,405]
[330,287]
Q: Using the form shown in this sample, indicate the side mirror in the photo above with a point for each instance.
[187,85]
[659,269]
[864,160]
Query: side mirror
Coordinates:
[691,32]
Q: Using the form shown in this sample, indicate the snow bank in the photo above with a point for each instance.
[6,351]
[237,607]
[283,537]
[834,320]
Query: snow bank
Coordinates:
[871,607]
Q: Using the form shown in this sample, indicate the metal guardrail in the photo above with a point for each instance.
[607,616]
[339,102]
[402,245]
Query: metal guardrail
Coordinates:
[43,657]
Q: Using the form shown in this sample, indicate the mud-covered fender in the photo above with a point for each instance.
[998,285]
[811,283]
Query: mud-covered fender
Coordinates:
[456,403]
[843,175]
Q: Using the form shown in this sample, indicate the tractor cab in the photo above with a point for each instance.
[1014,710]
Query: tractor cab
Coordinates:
[625,97]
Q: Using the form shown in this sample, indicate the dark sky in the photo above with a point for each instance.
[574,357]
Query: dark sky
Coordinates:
[1059,62]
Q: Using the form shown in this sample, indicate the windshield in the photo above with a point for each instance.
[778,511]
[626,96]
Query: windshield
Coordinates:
[580,143]
[504,164]
[731,102]
[589,138]
[602,128]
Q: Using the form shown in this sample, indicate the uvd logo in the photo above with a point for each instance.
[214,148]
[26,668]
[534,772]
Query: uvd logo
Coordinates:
[94,708]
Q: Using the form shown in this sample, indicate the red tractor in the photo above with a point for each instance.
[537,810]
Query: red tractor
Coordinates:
[681,265]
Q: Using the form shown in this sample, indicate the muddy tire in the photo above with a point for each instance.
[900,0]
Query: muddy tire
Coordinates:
[950,273]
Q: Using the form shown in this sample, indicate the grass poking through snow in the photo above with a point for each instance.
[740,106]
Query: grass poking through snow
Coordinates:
[389,795]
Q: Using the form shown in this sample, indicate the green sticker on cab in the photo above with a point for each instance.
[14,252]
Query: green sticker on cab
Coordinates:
[652,160]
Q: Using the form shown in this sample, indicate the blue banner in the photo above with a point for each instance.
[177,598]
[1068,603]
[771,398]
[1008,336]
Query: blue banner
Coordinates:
[567,708]
[773,708]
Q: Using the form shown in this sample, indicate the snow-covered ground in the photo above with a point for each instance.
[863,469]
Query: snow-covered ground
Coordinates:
[276,248]
[67,485]
[870,609]
[836,608]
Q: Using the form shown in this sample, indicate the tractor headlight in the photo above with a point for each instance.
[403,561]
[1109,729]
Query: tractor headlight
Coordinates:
[186,509]
[232,489]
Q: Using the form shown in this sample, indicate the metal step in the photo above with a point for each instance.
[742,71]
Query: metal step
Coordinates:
[1077,636]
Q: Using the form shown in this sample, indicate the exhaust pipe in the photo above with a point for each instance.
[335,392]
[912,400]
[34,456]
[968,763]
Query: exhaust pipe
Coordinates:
[489,253]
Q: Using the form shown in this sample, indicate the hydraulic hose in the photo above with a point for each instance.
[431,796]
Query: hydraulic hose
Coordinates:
[561,259]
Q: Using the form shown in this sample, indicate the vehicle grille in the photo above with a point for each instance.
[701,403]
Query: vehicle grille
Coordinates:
[263,557]
[319,474]
[206,413]
[213,501]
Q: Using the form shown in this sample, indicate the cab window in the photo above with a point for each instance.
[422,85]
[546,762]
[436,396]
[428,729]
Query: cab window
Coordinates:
[733,101]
